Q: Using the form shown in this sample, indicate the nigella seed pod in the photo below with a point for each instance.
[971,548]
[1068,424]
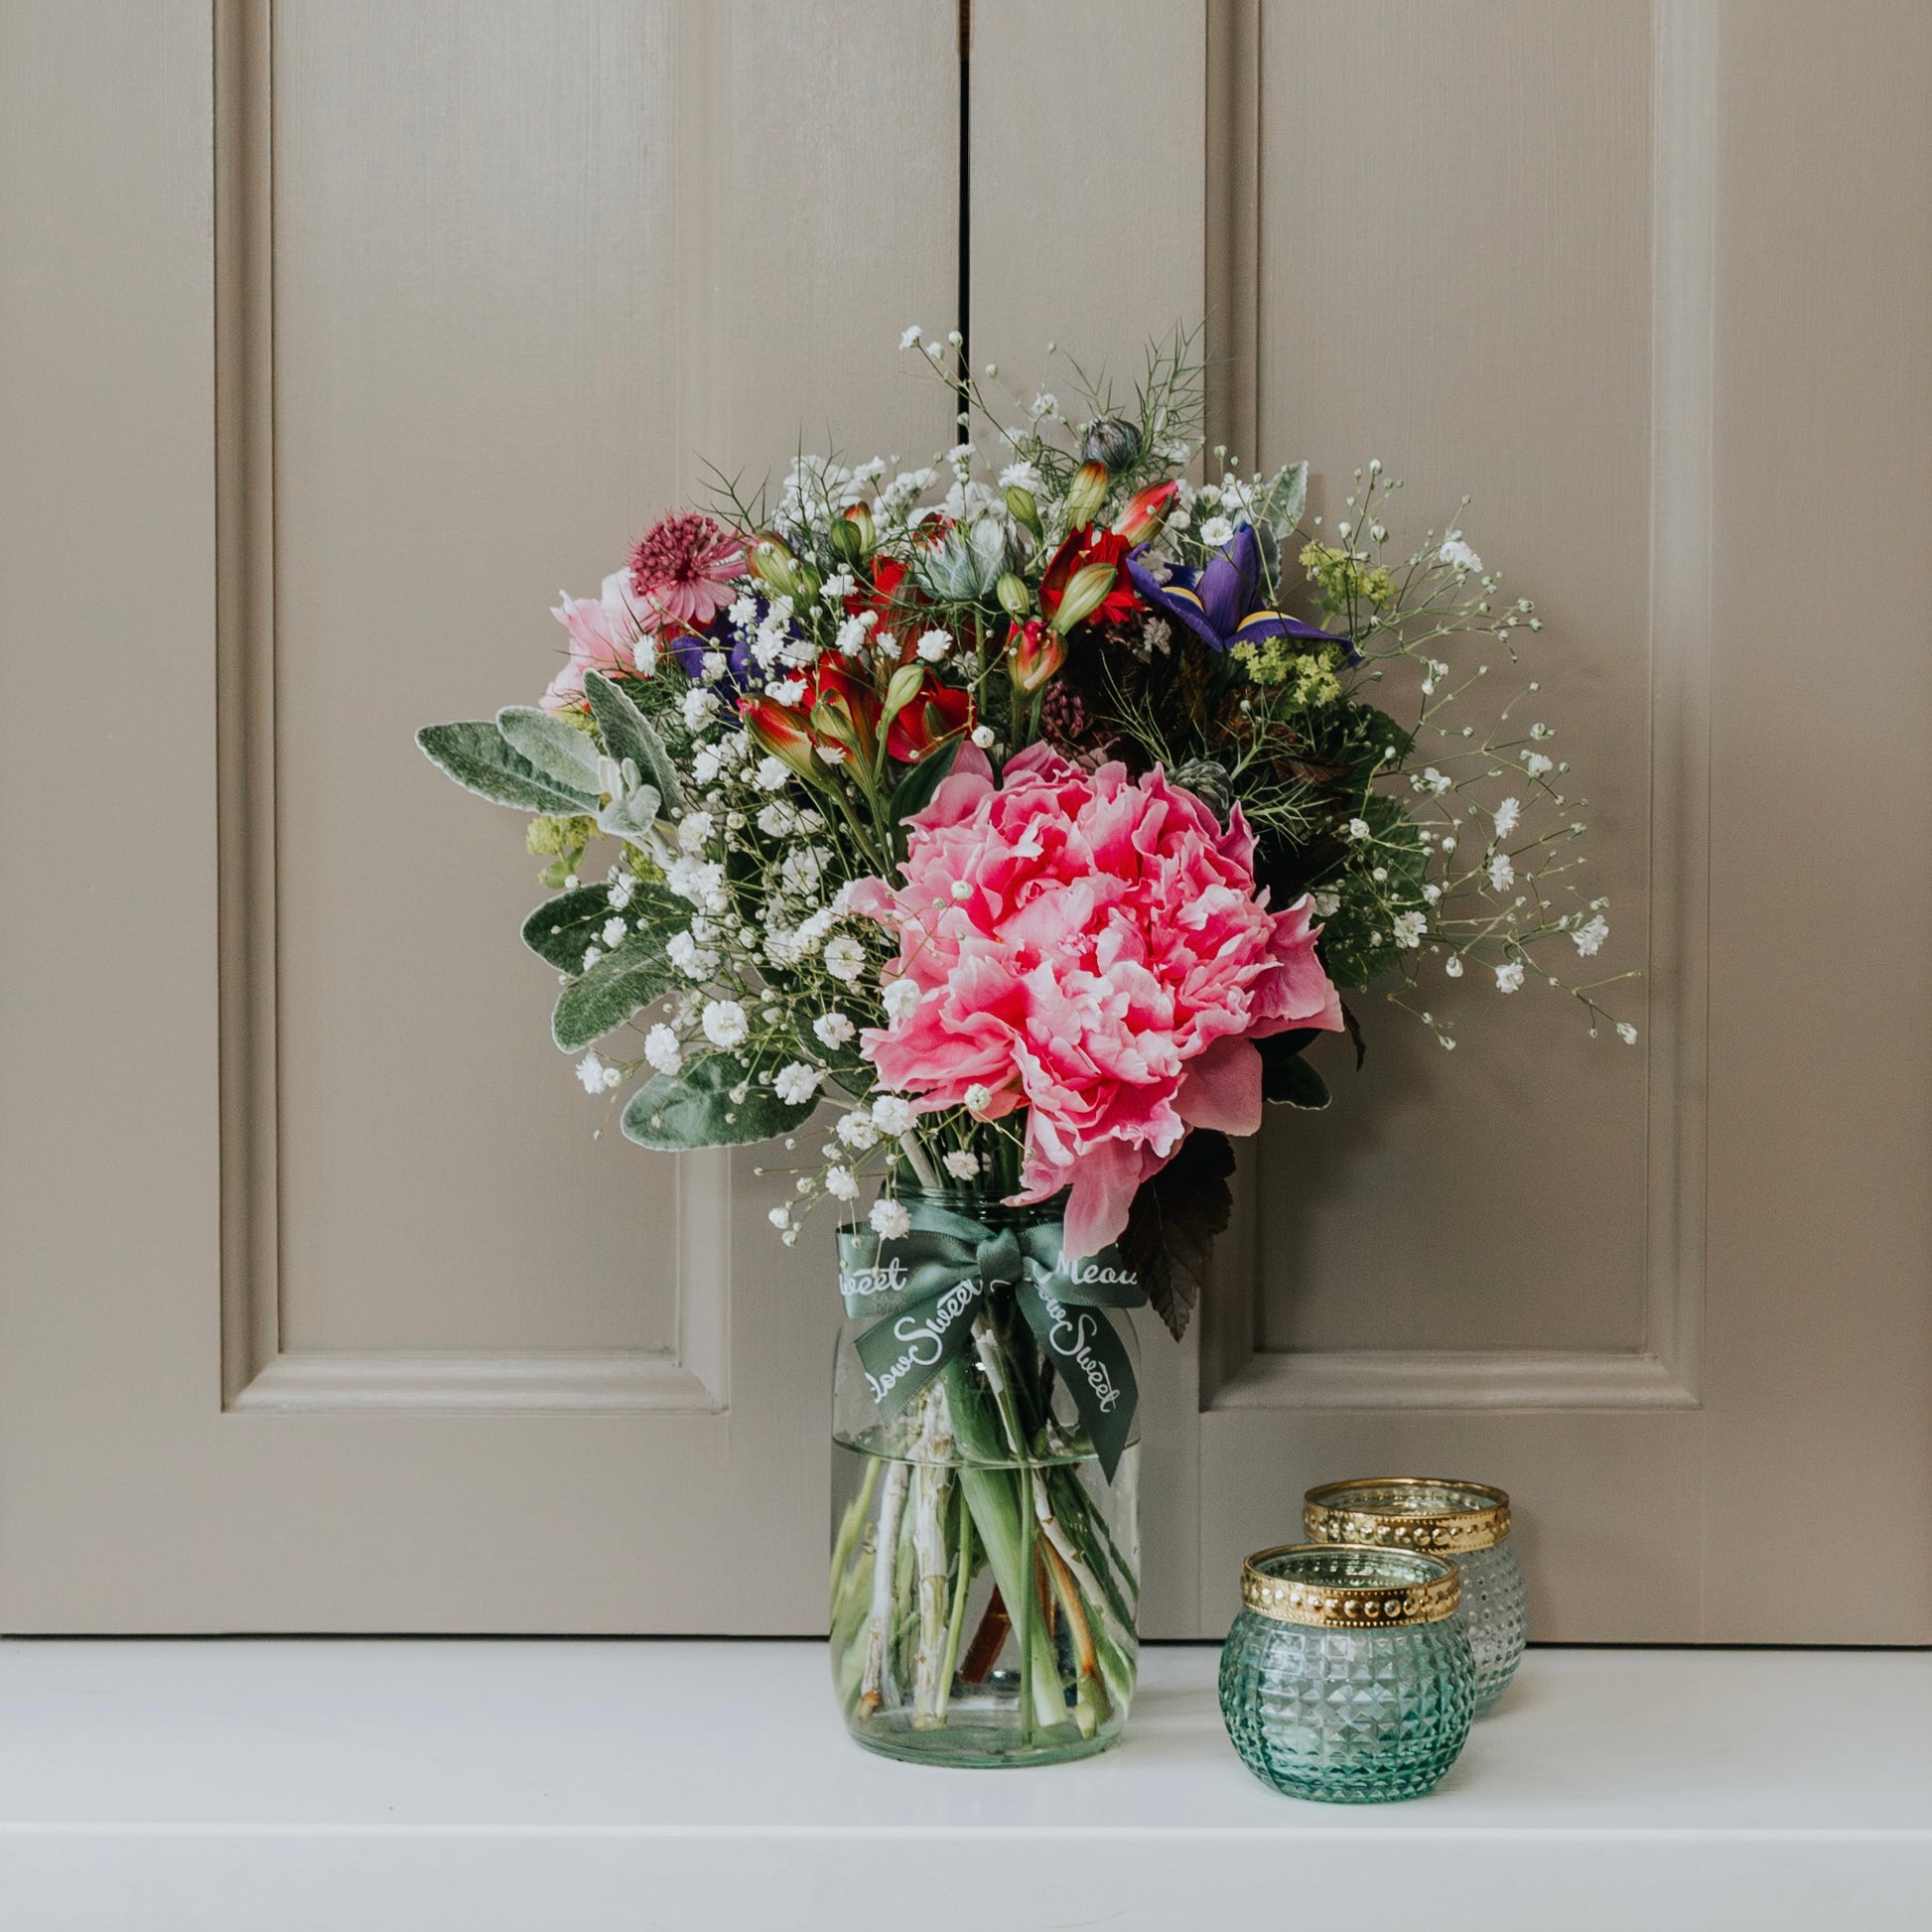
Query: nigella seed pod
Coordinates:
[1210,783]
[1113,441]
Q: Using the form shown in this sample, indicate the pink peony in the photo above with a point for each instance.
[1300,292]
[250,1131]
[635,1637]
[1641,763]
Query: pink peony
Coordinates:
[604,636]
[1091,948]
[683,567]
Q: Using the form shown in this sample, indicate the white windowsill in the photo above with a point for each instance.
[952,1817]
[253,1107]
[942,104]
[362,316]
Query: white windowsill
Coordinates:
[543,1787]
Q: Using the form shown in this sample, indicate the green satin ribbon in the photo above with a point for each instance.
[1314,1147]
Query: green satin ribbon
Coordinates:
[922,1291]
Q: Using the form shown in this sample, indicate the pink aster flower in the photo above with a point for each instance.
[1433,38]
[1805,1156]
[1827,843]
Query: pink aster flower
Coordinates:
[1093,948]
[683,569]
[604,635]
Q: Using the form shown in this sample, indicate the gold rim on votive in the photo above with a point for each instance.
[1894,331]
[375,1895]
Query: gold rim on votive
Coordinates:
[1342,1602]
[1441,1515]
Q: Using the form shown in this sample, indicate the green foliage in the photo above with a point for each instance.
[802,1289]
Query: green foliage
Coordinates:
[710,1103]
[473,752]
[1173,1223]
[1286,1077]
[916,789]
[629,733]
[562,754]
[624,980]
[561,929]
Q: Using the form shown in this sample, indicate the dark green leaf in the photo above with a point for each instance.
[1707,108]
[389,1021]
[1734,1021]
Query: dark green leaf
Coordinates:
[626,979]
[629,733]
[560,751]
[1286,1077]
[695,1108]
[474,754]
[1173,1224]
[561,929]
[915,791]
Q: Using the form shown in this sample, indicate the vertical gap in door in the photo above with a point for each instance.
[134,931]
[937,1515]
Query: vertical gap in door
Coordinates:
[963,298]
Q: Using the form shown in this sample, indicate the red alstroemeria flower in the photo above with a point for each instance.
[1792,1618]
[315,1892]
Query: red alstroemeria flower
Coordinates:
[1035,651]
[939,712]
[1141,520]
[839,711]
[1083,547]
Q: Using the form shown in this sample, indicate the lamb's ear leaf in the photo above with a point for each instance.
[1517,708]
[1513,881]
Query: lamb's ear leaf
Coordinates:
[629,733]
[564,754]
[694,1108]
[473,752]
[632,818]
[1286,1077]
[624,980]
[563,928]
[1172,1225]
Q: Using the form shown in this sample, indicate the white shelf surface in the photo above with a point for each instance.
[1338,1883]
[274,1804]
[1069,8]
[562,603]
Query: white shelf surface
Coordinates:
[548,1786]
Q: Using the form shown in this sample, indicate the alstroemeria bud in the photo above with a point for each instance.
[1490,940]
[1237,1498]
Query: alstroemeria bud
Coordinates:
[773,565]
[1016,600]
[860,517]
[1114,441]
[906,683]
[1086,493]
[1035,653]
[777,729]
[846,540]
[1086,591]
[1141,520]
[1022,509]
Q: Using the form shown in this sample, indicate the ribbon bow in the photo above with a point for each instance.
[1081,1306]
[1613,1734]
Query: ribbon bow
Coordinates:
[925,1288]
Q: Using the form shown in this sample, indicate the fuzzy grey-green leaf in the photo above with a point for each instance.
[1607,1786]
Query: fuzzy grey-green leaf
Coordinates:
[559,751]
[473,752]
[626,979]
[695,1108]
[563,928]
[631,818]
[627,734]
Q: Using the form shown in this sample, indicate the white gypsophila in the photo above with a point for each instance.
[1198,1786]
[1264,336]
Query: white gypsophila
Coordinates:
[694,961]
[771,775]
[713,665]
[841,1185]
[1453,966]
[901,997]
[592,954]
[1509,976]
[779,1218]
[744,611]
[725,1022]
[845,958]
[1535,763]
[700,881]
[803,870]
[589,1069]
[787,691]
[893,1115]
[856,1131]
[1215,531]
[1359,828]
[693,830]
[1023,476]
[623,887]
[795,1083]
[614,931]
[908,334]
[778,820]
[977,1098]
[1325,904]
[983,737]
[781,946]
[1507,814]
[705,764]
[812,931]
[662,1049]
[1458,554]
[962,1166]
[1590,936]
[1431,782]
[1626,1033]
[700,707]
[890,1220]
[833,1028]
[837,588]
[934,644]
[852,635]
[1502,871]
[1408,928]
[832,753]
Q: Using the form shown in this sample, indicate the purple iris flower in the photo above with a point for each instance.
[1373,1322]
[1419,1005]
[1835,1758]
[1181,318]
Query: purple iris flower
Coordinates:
[1223,605]
[720,635]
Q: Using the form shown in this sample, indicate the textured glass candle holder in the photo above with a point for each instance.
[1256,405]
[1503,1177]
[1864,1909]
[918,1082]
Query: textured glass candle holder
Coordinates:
[1468,1522]
[1346,1677]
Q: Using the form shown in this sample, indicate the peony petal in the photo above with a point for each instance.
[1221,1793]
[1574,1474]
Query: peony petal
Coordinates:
[1222,1089]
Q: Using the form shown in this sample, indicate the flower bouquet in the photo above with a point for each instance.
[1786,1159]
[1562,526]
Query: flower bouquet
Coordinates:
[996,837]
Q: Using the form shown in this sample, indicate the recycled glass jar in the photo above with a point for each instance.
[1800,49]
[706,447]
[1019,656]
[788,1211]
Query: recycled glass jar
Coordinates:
[1346,1675]
[1468,1522]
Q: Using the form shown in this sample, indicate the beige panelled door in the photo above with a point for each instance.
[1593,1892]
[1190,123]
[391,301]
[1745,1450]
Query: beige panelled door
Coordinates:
[336,339]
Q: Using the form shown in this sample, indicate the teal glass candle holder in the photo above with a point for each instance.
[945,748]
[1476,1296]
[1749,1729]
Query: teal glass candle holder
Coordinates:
[1346,1677]
[1468,1522]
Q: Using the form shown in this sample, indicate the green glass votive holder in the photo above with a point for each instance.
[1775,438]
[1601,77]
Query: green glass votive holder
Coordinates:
[1346,1677]
[1468,1522]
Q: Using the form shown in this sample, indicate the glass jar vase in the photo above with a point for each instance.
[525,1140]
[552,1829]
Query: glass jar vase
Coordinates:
[1346,1677]
[1468,1522]
[985,1552]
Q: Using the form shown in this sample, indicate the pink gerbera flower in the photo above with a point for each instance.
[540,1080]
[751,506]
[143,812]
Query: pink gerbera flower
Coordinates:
[683,567]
